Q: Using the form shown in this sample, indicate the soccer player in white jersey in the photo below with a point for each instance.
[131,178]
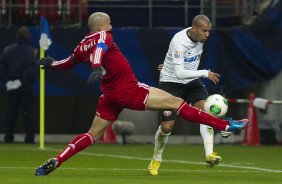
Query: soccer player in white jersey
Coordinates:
[180,77]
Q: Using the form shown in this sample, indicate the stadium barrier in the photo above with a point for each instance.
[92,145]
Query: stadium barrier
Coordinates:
[251,132]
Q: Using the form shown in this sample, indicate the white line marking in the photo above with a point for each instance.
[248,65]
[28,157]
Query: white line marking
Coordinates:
[175,161]
[131,169]
[235,165]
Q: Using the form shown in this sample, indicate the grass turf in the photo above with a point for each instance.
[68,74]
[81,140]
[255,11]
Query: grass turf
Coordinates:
[126,164]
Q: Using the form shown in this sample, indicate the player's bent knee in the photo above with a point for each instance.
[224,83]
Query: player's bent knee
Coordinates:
[167,127]
[166,130]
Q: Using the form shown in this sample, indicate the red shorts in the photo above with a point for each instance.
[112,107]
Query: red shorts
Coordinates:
[110,106]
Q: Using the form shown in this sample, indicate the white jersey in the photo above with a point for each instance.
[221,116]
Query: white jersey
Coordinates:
[182,60]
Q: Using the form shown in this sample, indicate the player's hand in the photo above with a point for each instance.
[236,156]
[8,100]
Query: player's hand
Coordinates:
[160,67]
[95,75]
[214,77]
[46,62]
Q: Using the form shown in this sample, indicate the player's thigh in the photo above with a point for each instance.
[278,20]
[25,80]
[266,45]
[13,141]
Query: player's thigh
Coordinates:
[134,97]
[107,108]
[162,100]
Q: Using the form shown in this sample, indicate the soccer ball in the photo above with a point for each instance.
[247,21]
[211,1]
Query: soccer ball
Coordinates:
[216,105]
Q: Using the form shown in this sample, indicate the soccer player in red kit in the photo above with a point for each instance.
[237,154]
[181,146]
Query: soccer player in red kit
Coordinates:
[120,90]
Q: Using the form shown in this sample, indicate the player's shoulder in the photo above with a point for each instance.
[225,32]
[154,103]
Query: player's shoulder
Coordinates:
[98,35]
[181,35]
[179,39]
[182,32]
[105,34]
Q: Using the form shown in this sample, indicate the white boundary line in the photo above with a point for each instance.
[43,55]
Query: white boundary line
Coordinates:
[176,161]
[131,169]
[237,166]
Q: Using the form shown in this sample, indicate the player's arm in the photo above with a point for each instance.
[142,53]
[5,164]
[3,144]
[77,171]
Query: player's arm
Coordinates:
[50,63]
[96,57]
[182,73]
[104,42]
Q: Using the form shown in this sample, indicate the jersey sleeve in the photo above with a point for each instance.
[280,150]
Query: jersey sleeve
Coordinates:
[66,63]
[104,42]
[181,73]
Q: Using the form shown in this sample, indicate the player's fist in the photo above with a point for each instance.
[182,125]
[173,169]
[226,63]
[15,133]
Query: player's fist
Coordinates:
[46,62]
[95,75]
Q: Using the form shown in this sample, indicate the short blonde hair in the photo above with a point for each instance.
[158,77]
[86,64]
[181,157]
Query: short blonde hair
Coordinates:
[95,20]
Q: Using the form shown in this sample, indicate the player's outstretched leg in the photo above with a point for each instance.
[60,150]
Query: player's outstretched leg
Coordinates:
[193,114]
[78,144]
[46,168]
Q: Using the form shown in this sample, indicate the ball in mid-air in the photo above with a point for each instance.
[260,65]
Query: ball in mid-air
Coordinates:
[216,105]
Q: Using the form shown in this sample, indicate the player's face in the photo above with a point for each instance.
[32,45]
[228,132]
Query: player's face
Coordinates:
[203,32]
[107,24]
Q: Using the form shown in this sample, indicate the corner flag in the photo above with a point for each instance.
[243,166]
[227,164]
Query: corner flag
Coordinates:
[45,37]
[44,42]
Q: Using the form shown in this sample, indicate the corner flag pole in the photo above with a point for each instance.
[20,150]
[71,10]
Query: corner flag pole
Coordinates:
[44,42]
[42,103]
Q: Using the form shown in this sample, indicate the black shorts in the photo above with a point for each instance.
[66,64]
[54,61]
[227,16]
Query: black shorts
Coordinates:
[191,92]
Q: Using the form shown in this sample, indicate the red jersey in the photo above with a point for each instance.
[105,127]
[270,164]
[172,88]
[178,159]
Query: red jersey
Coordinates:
[99,49]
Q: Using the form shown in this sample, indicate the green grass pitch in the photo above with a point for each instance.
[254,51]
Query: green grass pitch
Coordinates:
[127,164]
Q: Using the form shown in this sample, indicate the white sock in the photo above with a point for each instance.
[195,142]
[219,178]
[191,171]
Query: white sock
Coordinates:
[160,142]
[207,134]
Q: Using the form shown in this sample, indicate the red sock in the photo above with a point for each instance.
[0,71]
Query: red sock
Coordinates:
[193,114]
[79,143]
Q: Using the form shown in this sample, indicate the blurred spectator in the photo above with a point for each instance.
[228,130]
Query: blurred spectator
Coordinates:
[17,71]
